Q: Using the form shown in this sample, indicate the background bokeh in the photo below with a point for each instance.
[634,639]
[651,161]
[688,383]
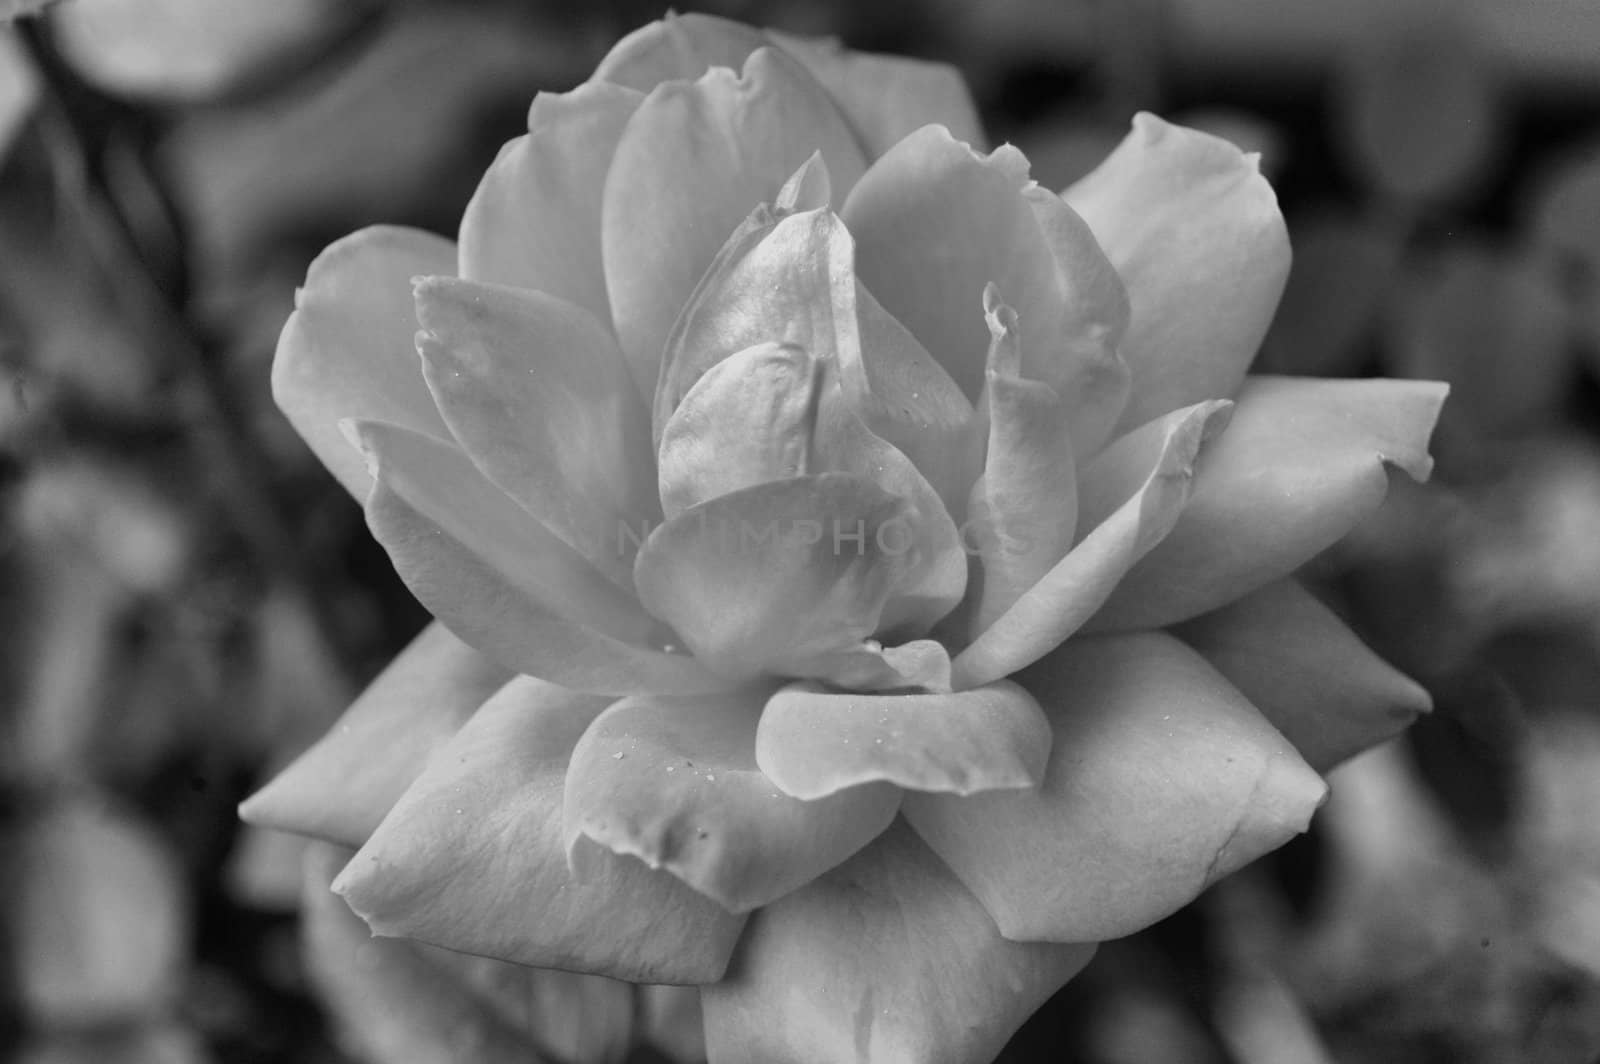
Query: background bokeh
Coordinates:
[188,599]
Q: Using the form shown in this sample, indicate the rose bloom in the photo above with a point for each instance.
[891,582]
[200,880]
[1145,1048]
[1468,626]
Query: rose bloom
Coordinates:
[862,575]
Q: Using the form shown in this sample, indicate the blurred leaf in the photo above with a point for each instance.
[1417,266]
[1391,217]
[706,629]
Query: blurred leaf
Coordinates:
[100,920]
[1495,327]
[1470,751]
[1562,211]
[1562,836]
[15,9]
[1418,109]
[1344,267]
[184,50]
[394,135]
[164,1044]
[19,88]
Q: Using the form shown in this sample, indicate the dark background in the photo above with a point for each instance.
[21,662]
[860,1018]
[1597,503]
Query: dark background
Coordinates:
[189,599]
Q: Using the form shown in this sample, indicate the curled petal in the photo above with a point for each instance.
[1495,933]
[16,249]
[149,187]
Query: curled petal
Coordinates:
[1194,230]
[677,48]
[344,785]
[472,859]
[1162,779]
[758,580]
[534,221]
[538,395]
[872,666]
[1023,510]
[1303,461]
[1307,672]
[935,222]
[346,351]
[734,141]
[674,782]
[813,742]
[887,958]
[1132,496]
[484,567]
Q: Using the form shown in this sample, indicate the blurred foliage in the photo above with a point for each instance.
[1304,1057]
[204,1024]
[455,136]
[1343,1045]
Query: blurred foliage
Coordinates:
[190,599]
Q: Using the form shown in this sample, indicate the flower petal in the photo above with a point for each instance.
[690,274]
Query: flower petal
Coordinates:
[538,395]
[1131,498]
[472,859]
[347,351]
[887,958]
[390,999]
[534,221]
[884,97]
[1162,779]
[1307,672]
[674,782]
[888,97]
[1195,232]
[1023,510]
[774,411]
[497,578]
[733,141]
[936,222]
[763,578]
[813,742]
[344,785]
[1301,464]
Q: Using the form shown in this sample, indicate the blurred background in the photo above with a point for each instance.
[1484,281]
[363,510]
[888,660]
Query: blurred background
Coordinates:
[189,600]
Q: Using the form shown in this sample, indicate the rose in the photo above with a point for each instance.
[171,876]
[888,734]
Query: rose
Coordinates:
[705,336]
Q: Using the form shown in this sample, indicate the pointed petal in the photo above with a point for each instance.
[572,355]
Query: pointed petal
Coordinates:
[935,222]
[888,958]
[538,395]
[1162,779]
[488,570]
[344,785]
[734,141]
[813,742]
[1307,672]
[472,859]
[534,221]
[888,97]
[347,351]
[1195,232]
[674,782]
[760,579]
[1303,461]
[390,999]
[1131,498]
[1023,510]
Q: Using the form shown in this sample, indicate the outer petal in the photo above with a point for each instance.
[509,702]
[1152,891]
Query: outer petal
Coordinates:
[1307,672]
[1162,779]
[1024,508]
[692,163]
[1132,497]
[813,742]
[1195,231]
[674,782]
[885,97]
[535,220]
[346,351]
[758,580]
[392,999]
[1302,463]
[887,959]
[936,222]
[538,394]
[472,859]
[343,786]
[888,97]
[490,572]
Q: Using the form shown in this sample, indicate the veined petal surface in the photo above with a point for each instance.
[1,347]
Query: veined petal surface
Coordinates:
[472,858]
[1162,778]
[674,782]
[887,958]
